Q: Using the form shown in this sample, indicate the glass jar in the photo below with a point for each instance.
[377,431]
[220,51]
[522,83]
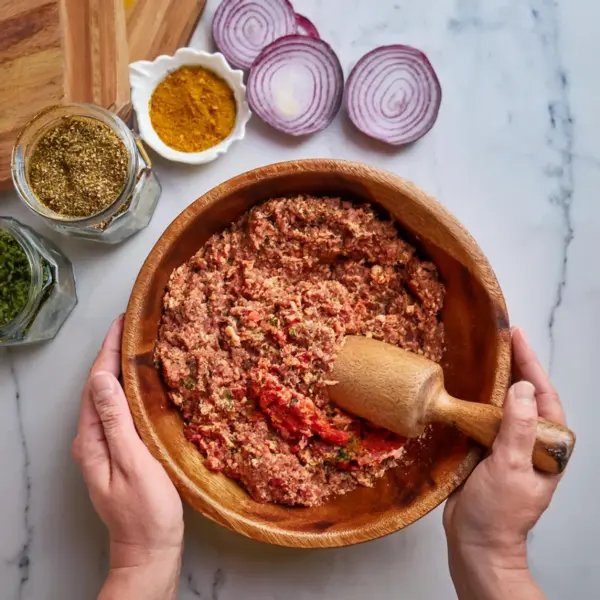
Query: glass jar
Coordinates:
[51,295]
[130,212]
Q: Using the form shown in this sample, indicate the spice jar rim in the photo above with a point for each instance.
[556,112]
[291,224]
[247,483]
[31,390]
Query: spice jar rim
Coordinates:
[19,233]
[55,113]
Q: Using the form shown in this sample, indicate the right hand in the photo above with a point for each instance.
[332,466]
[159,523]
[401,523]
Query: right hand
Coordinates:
[491,515]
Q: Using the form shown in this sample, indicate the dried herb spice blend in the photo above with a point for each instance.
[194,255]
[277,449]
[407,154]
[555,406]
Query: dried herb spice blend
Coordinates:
[15,278]
[78,167]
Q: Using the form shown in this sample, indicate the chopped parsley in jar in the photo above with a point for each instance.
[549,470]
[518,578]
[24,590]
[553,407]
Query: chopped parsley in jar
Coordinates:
[37,286]
[15,278]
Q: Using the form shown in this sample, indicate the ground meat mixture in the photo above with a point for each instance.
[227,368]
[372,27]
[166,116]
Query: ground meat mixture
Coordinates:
[252,324]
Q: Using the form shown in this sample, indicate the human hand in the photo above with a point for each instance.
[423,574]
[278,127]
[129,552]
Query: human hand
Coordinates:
[128,487]
[488,519]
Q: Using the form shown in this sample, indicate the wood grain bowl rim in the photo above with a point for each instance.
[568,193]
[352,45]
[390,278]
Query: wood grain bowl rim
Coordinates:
[201,500]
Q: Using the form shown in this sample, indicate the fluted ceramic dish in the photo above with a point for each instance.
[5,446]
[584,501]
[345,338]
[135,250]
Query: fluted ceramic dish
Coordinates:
[146,75]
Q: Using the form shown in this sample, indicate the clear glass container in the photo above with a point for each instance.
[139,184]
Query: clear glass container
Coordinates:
[52,294]
[130,212]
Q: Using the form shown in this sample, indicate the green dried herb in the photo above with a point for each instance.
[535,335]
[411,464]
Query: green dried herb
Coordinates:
[343,455]
[348,452]
[15,278]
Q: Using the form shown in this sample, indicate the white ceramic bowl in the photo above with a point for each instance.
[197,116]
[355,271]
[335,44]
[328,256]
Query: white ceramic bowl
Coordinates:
[146,75]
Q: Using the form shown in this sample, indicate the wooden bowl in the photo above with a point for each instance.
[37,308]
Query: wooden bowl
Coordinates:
[476,364]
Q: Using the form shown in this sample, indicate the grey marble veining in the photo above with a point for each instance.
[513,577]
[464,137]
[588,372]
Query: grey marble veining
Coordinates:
[21,559]
[560,139]
[515,155]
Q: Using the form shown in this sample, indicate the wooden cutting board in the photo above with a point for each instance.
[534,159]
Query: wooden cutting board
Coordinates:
[55,51]
[156,27]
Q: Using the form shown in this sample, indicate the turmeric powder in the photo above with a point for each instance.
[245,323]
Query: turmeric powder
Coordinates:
[193,109]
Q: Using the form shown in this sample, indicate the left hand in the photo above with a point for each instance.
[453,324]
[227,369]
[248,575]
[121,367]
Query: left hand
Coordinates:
[128,487]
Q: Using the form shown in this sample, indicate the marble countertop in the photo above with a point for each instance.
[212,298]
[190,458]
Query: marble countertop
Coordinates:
[514,155]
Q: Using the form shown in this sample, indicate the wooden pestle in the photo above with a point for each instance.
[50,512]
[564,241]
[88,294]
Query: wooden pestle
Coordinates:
[404,392]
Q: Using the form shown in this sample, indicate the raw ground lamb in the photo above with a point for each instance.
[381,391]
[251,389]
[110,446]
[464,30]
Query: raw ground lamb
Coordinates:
[251,327]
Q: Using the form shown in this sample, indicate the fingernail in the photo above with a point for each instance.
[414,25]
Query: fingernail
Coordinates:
[117,322]
[524,393]
[101,383]
[523,336]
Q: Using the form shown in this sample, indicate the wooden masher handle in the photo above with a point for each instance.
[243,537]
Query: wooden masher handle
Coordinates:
[553,444]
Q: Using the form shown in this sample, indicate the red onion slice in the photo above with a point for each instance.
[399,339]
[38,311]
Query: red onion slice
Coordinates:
[307,27]
[393,94]
[296,85]
[242,28]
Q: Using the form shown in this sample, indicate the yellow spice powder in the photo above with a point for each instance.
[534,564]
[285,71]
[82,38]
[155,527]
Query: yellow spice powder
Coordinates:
[193,109]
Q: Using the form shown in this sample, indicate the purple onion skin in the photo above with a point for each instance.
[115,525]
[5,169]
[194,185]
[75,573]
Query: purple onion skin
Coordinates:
[307,27]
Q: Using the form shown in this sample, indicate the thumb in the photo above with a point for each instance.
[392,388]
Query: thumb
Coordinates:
[113,410]
[516,438]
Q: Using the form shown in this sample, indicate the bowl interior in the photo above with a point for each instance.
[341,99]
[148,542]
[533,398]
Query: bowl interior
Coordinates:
[476,364]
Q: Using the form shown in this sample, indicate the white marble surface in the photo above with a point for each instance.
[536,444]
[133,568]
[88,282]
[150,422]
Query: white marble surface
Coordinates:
[515,155]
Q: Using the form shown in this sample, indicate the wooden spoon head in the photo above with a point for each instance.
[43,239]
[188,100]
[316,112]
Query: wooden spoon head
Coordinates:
[390,387]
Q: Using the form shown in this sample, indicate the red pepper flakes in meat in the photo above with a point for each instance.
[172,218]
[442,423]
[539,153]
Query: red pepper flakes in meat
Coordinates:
[294,415]
[252,324]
